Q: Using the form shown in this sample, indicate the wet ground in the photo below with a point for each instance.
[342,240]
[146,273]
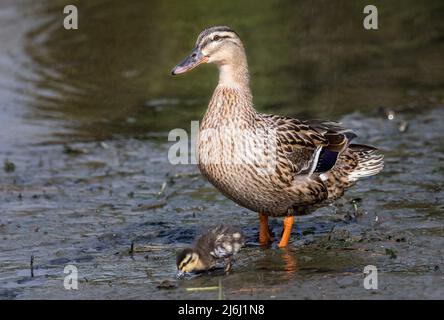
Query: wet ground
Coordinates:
[83,148]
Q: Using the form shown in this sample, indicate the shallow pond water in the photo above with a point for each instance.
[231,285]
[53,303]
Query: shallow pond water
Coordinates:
[83,148]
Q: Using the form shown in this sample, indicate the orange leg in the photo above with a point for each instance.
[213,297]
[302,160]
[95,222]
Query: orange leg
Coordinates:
[264,233]
[288,224]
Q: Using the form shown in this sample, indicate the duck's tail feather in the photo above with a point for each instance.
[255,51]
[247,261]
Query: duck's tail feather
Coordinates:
[369,162]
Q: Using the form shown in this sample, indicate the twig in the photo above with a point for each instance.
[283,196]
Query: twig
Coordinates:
[144,207]
[203,289]
[149,248]
[32,266]
[221,293]
[162,189]
[330,232]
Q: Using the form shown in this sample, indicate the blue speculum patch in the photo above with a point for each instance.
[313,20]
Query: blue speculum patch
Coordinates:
[326,161]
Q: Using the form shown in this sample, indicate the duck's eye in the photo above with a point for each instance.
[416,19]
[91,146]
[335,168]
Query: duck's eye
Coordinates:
[217,38]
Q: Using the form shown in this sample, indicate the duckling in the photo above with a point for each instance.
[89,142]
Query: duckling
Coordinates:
[218,244]
[273,165]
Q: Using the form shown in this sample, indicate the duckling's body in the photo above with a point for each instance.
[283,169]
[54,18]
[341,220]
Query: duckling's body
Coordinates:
[218,244]
[274,165]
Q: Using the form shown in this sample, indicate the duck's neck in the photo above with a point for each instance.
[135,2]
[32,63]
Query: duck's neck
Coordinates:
[233,72]
[234,76]
[232,99]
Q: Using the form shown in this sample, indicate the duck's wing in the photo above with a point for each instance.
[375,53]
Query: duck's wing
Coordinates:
[310,146]
[228,241]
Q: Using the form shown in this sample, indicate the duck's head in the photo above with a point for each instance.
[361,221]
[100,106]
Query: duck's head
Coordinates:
[188,260]
[219,45]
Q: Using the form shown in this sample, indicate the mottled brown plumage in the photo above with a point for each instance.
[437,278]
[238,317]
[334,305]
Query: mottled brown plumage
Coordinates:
[218,244]
[267,163]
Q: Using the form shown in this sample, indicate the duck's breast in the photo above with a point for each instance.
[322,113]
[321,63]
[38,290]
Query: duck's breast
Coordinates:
[242,163]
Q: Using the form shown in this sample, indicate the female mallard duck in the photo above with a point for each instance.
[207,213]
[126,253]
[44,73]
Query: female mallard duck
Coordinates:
[276,166]
[219,243]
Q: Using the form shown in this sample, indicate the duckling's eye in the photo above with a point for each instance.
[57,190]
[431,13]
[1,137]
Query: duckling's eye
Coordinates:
[217,38]
[185,261]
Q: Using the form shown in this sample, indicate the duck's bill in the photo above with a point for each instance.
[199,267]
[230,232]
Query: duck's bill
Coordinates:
[192,61]
[180,274]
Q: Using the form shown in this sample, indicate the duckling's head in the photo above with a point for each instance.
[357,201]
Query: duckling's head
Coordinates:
[219,45]
[188,260]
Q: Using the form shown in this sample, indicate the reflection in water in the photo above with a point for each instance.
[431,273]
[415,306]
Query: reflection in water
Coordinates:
[111,76]
[290,262]
[284,261]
